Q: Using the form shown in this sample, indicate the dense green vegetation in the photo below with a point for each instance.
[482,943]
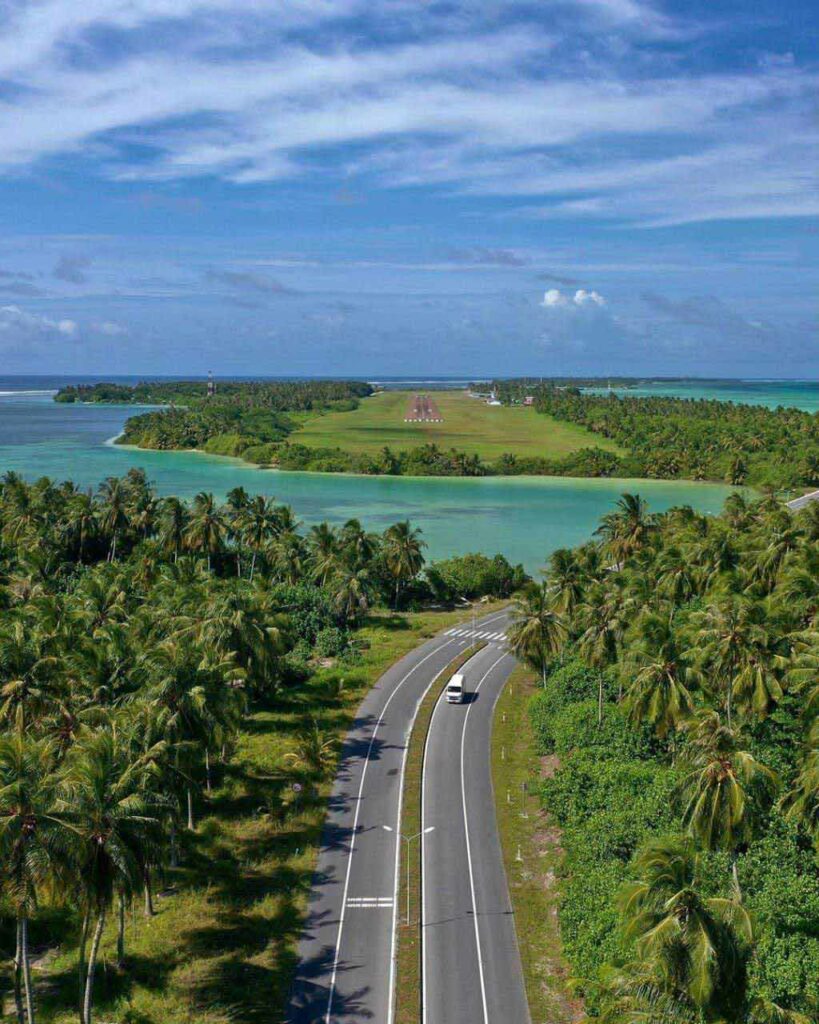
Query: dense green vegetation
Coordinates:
[145,645]
[660,437]
[248,419]
[279,396]
[695,439]
[679,660]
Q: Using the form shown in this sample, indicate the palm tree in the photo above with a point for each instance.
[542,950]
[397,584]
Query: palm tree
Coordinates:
[325,552]
[536,632]
[191,699]
[29,682]
[315,752]
[351,593]
[694,947]
[29,841]
[104,803]
[658,694]
[358,547]
[602,619]
[725,789]
[403,553]
[238,628]
[566,581]
[113,518]
[258,526]
[801,802]
[627,530]
[206,527]
[286,556]
[80,522]
[173,524]
[236,505]
[733,645]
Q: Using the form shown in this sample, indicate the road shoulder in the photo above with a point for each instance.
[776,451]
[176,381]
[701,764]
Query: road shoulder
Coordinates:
[531,852]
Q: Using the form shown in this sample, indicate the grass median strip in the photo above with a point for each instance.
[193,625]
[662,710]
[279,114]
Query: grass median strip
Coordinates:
[408,974]
[531,853]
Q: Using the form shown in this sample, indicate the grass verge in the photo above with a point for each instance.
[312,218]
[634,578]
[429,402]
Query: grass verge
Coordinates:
[408,973]
[221,947]
[531,853]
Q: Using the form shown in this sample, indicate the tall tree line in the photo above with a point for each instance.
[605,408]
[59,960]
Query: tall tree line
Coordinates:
[135,634]
[700,636]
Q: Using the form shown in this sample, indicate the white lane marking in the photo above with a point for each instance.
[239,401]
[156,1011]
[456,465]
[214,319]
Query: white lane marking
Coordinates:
[397,866]
[352,840]
[488,672]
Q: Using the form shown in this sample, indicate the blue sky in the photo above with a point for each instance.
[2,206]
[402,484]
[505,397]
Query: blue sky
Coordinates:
[409,186]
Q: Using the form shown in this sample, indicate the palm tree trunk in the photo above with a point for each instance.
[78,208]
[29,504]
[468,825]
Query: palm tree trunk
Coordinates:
[18,973]
[209,561]
[600,702]
[191,825]
[26,970]
[207,770]
[86,921]
[174,850]
[149,898]
[253,565]
[121,930]
[92,966]
[112,554]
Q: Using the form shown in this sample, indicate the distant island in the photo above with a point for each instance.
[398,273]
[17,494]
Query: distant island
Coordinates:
[506,427]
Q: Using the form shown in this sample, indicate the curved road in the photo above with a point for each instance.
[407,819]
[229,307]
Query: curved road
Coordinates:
[346,954]
[472,972]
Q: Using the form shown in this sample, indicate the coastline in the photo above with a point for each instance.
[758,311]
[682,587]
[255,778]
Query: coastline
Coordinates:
[506,478]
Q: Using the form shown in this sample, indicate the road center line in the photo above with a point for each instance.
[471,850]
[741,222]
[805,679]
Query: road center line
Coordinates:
[488,672]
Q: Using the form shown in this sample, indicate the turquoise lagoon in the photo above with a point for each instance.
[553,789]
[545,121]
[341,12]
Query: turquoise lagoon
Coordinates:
[525,518]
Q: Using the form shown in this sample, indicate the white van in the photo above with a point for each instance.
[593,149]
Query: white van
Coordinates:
[455,689]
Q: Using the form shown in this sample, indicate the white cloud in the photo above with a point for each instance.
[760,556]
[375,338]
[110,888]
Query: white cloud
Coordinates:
[483,96]
[17,321]
[582,299]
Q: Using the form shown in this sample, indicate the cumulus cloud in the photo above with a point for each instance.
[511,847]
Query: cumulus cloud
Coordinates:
[17,322]
[556,299]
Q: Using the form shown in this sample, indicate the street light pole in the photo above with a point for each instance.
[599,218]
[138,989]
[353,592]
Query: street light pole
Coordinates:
[408,840]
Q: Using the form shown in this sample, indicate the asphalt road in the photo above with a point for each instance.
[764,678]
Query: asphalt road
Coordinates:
[471,963]
[346,954]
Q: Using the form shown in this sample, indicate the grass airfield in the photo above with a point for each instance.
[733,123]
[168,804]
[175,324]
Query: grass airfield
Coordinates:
[469,425]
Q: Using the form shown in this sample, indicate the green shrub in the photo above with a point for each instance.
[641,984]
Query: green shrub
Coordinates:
[330,642]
